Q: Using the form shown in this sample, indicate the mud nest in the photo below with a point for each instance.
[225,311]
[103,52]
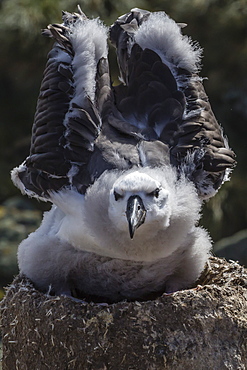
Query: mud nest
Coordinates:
[200,328]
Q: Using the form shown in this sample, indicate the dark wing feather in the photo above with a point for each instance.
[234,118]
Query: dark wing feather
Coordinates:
[65,125]
[169,104]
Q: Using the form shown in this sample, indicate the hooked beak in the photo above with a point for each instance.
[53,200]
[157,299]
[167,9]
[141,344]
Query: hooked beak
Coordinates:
[135,213]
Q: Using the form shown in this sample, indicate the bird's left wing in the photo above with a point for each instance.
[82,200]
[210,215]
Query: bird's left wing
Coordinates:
[163,99]
[67,120]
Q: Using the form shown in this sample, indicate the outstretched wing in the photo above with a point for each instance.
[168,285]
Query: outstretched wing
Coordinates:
[67,119]
[162,96]
[160,107]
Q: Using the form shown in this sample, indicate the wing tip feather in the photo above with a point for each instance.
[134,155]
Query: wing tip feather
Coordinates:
[19,184]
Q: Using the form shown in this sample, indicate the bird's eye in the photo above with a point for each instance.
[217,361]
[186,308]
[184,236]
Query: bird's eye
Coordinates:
[155,193]
[117,196]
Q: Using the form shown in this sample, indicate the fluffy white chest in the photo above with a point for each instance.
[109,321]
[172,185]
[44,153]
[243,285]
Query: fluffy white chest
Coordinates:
[79,247]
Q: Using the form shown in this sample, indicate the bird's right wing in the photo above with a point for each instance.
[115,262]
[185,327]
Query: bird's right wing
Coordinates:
[163,97]
[67,119]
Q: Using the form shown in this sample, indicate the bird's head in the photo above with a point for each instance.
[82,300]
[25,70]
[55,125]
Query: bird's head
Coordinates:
[137,199]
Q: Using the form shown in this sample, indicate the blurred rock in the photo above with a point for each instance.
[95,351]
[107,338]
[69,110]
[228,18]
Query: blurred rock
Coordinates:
[233,248]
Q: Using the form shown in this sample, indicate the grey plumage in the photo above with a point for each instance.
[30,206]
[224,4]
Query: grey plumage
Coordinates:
[126,167]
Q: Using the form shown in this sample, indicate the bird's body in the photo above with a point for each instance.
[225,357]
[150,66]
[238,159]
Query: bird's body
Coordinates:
[126,168]
[86,249]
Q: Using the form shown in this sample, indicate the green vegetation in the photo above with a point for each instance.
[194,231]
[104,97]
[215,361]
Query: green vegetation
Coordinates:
[218,25]
[18,218]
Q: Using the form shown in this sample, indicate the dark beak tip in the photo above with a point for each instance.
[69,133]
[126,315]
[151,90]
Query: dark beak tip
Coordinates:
[131,231]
